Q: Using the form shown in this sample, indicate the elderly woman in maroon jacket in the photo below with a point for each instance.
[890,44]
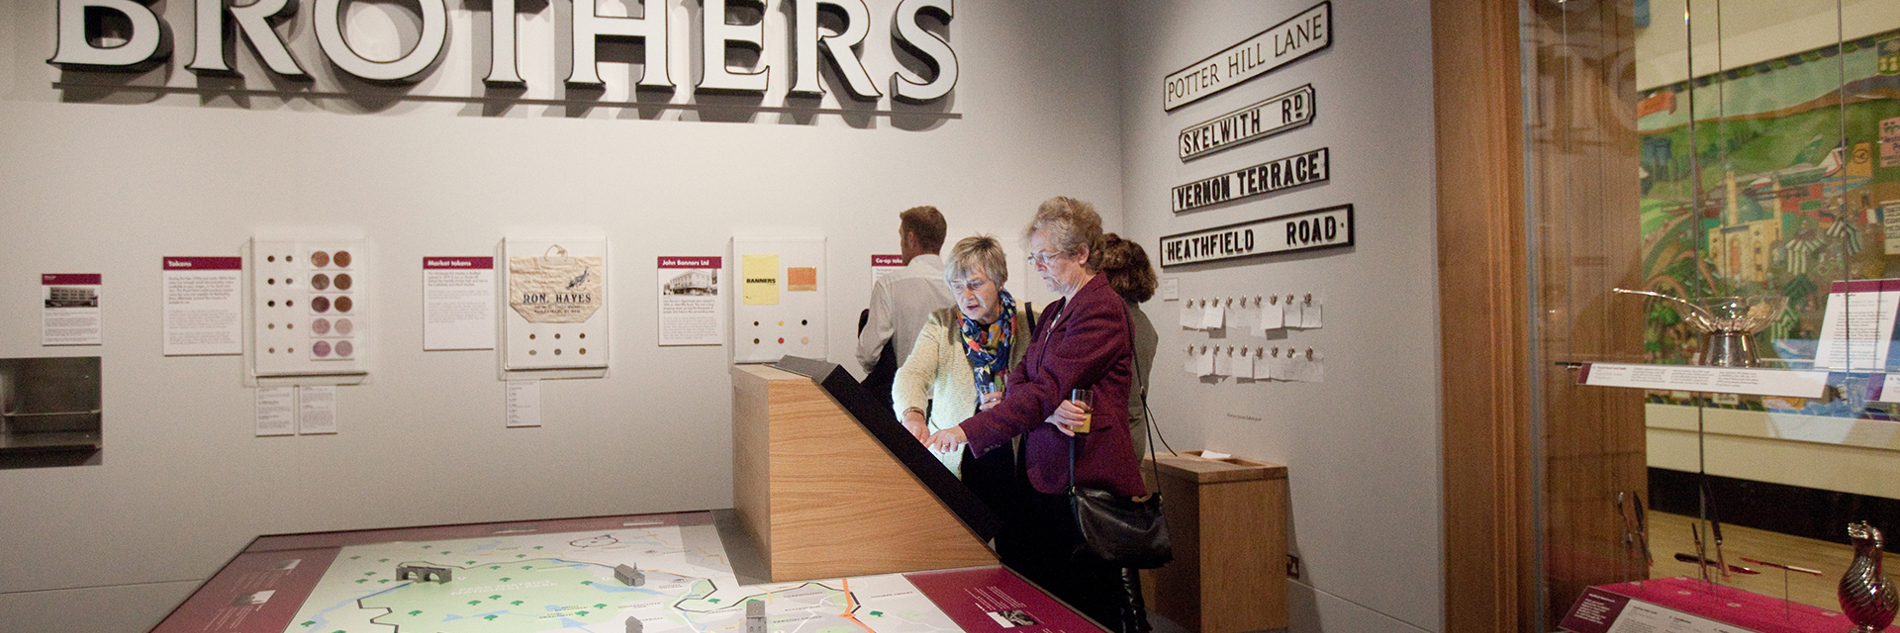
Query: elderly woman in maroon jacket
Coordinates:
[1081,342]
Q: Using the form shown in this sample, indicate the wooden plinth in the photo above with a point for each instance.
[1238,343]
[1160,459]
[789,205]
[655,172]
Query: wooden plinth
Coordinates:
[822,498]
[1227,519]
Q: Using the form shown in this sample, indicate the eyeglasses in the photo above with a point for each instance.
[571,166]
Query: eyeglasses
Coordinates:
[1041,258]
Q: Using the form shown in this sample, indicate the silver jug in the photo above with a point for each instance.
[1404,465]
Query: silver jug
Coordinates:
[1867,596]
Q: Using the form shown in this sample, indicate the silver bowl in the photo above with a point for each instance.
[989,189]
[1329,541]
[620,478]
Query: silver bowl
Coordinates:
[1728,325]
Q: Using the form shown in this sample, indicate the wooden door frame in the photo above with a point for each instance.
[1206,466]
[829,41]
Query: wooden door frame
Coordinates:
[1490,582]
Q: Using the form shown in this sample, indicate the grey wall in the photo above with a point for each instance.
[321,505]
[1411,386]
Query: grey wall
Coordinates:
[1362,447]
[183,484]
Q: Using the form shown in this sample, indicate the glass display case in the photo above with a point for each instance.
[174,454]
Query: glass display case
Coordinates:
[1742,160]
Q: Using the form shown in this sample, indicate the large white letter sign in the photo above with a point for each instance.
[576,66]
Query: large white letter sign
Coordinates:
[838,46]
[254,20]
[590,27]
[144,44]
[501,54]
[934,50]
[434,37]
[717,33]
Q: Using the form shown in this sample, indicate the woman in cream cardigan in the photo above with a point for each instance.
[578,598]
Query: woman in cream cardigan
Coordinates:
[958,364]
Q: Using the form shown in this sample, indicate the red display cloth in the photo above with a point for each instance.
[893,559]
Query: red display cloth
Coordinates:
[257,592]
[996,600]
[1600,606]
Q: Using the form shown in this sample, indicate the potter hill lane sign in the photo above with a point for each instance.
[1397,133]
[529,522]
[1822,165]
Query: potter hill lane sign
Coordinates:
[1279,174]
[1309,32]
[1330,227]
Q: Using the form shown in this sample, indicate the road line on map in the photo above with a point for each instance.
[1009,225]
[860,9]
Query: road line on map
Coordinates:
[851,604]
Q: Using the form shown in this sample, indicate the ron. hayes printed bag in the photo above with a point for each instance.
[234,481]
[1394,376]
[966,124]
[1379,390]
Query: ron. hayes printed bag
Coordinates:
[556,288]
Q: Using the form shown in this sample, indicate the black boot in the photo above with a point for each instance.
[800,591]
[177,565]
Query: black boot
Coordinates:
[1134,611]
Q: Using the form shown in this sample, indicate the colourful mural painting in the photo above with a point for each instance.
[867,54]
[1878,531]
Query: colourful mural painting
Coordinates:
[1785,205]
[1799,161]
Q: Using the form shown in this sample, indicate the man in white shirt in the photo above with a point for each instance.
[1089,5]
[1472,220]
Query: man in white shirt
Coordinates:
[902,300]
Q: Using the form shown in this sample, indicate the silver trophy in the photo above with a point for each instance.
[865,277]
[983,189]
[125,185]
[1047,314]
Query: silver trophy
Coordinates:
[1728,325]
[1867,596]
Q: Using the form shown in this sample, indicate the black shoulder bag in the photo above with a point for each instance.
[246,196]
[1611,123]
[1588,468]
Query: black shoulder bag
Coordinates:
[1129,532]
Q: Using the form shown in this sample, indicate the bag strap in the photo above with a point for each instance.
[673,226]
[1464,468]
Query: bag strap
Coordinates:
[1154,462]
[1134,356]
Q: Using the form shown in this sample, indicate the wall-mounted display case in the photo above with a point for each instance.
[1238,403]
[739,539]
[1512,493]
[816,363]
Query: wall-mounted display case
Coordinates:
[1744,158]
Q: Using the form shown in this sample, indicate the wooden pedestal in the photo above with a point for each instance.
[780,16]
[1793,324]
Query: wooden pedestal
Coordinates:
[1227,519]
[822,498]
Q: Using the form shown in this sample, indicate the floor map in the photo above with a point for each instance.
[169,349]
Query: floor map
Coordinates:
[522,583]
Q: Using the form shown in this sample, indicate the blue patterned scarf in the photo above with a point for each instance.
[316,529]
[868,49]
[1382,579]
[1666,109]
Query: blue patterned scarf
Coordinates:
[988,345]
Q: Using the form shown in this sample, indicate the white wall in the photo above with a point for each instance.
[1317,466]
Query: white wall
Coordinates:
[183,484]
[1362,447]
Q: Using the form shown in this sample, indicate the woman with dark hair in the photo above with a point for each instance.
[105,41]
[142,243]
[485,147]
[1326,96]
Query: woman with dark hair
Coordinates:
[1131,276]
[1081,342]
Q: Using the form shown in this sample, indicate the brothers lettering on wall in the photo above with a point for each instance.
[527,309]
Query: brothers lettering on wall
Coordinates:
[140,39]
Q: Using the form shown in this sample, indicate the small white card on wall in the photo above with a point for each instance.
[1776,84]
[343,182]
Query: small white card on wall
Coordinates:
[316,410]
[1214,317]
[1310,315]
[1190,315]
[276,411]
[1305,370]
[1272,317]
[1280,367]
[1243,317]
[524,403]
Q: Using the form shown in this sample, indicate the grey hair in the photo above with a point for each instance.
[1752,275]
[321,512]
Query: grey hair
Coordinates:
[978,252]
[1072,224]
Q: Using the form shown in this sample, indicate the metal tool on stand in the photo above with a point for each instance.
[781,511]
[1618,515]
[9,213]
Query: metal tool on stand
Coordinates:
[1787,605]
[1701,557]
[1715,528]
